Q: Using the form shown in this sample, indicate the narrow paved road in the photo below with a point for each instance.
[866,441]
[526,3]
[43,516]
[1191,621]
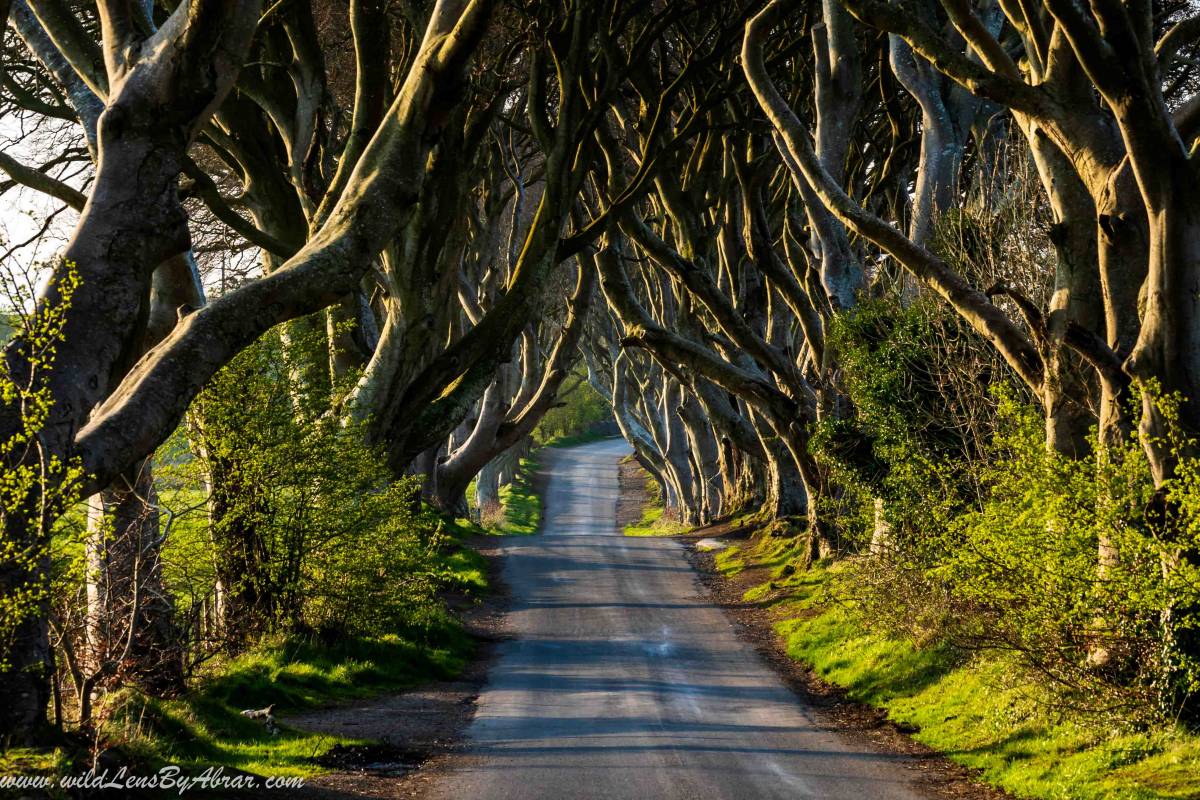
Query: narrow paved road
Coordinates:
[624,682]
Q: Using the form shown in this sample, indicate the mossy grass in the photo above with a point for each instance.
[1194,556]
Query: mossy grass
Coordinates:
[979,709]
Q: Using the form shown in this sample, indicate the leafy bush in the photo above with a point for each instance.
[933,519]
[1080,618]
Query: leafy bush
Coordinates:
[34,484]
[309,529]
[1026,562]
[387,582]
[995,541]
[582,408]
[920,415]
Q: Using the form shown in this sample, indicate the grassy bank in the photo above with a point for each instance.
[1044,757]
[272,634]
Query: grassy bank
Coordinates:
[975,708]
[654,523]
[204,727]
[520,506]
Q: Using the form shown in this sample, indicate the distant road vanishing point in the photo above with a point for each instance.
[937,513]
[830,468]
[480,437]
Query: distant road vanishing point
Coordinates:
[624,682]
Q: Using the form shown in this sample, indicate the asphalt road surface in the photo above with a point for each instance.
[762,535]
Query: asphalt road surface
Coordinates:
[623,681]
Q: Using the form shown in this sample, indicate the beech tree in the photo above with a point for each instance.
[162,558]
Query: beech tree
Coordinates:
[388,194]
[1073,98]
[160,89]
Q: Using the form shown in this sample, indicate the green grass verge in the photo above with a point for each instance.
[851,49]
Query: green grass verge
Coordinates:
[521,507]
[653,524]
[977,710]
[205,727]
[461,569]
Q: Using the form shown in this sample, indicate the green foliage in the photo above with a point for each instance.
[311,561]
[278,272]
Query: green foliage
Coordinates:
[582,409]
[387,581]
[918,379]
[995,542]
[35,484]
[306,519]
[1026,562]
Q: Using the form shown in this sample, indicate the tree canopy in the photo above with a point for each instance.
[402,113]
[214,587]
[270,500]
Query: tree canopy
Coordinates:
[837,264]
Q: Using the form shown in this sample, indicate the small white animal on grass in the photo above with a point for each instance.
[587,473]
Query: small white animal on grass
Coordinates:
[264,714]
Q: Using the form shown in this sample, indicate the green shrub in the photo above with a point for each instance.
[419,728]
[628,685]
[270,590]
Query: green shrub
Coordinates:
[919,418]
[582,408]
[308,527]
[35,485]
[995,541]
